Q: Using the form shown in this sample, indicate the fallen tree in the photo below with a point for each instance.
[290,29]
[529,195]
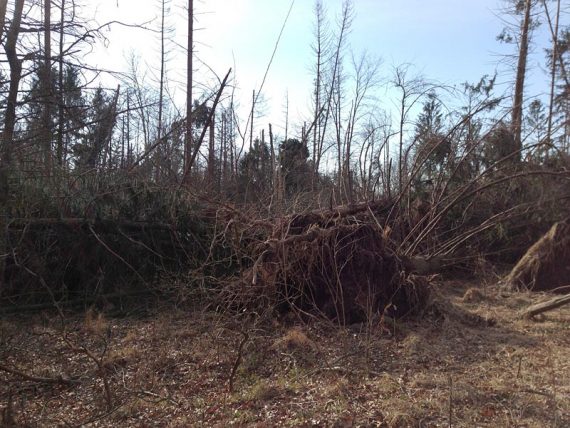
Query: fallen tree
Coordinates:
[545,264]
[549,305]
[339,263]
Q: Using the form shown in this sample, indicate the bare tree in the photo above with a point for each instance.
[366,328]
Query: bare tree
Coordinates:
[189,65]
[47,88]
[554,59]
[336,92]
[162,74]
[412,89]
[321,50]
[365,78]
[60,98]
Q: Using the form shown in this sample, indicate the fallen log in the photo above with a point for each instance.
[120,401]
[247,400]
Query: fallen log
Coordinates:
[61,380]
[549,305]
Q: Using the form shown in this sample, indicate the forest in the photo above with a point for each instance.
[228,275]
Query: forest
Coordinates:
[179,260]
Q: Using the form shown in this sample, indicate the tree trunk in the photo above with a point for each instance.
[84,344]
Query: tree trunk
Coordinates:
[47,89]
[212,153]
[520,77]
[3,5]
[6,141]
[552,70]
[61,107]
[188,142]
[161,89]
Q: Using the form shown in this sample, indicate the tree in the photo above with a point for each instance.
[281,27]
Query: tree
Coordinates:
[91,152]
[479,99]
[255,170]
[321,50]
[295,170]
[412,89]
[432,146]
[15,64]
[521,73]
[189,65]
[6,140]
[552,60]
[46,83]
[536,118]
[500,145]
[561,94]
[522,9]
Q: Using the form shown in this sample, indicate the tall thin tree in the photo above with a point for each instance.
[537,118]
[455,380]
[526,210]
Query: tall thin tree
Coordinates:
[516,121]
[47,88]
[189,64]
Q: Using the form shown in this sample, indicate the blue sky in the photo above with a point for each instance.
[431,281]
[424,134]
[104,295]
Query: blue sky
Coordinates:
[448,41]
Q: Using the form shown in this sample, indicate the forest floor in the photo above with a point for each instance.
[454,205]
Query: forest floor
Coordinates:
[174,367]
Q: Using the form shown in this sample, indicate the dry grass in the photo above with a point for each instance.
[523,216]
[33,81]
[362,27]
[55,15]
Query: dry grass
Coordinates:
[172,369]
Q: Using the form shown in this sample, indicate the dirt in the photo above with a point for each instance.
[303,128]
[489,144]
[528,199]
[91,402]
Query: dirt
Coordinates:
[172,367]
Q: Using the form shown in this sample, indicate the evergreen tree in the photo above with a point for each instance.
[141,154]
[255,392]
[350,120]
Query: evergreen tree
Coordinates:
[255,168]
[432,146]
[293,156]
[100,122]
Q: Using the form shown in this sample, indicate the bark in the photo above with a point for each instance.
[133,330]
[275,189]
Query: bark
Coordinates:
[520,77]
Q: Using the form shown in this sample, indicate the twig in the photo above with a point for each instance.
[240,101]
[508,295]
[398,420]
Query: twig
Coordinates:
[100,366]
[450,401]
[237,362]
[116,255]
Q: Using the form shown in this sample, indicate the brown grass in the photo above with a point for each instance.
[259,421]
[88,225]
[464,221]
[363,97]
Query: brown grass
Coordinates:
[172,369]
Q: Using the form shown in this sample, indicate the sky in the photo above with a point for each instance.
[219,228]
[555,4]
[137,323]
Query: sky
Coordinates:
[448,41]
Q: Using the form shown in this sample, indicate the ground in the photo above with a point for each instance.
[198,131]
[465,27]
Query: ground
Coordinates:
[179,367]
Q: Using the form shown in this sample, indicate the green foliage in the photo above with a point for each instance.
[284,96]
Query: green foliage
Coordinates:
[100,123]
[255,172]
[500,144]
[293,160]
[433,148]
